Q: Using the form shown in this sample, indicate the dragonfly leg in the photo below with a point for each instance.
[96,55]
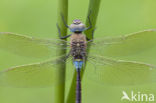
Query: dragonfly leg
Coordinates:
[68,54]
[93,33]
[90,40]
[64,21]
[90,23]
[83,59]
[64,58]
[59,31]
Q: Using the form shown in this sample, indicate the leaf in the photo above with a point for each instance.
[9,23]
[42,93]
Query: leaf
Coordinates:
[120,73]
[28,46]
[127,45]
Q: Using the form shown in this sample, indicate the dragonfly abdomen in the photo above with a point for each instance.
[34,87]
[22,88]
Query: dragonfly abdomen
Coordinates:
[78,64]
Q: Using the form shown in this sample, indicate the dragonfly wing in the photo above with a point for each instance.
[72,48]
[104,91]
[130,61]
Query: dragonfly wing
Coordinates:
[28,46]
[120,73]
[126,45]
[33,75]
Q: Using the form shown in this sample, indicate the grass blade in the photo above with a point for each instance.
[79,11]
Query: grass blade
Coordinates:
[60,74]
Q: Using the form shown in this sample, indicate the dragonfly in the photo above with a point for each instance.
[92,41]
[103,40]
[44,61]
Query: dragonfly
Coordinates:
[106,70]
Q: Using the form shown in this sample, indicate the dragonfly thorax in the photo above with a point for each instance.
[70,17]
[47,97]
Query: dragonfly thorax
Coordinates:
[78,46]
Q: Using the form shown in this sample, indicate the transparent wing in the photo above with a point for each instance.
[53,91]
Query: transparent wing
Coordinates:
[34,75]
[28,46]
[119,73]
[126,45]
[107,40]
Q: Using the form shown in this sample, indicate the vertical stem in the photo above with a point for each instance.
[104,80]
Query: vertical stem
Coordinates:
[94,6]
[93,10]
[78,87]
[60,73]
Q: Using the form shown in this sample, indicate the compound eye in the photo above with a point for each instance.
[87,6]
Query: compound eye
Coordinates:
[77,21]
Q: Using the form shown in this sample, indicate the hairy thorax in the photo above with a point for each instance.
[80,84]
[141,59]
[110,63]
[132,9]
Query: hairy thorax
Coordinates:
[78,46]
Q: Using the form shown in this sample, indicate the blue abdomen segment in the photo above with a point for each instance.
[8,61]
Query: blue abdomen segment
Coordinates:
[78,64]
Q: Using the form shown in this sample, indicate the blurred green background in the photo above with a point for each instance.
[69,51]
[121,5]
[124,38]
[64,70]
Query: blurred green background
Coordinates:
[37,18]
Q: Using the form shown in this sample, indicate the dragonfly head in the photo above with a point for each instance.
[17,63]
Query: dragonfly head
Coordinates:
[77,26]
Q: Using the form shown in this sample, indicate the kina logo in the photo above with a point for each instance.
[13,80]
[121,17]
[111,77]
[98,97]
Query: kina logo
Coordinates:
[137,96]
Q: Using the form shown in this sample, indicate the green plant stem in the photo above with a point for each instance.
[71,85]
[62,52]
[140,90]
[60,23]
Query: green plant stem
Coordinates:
[94,6]
[60,73]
